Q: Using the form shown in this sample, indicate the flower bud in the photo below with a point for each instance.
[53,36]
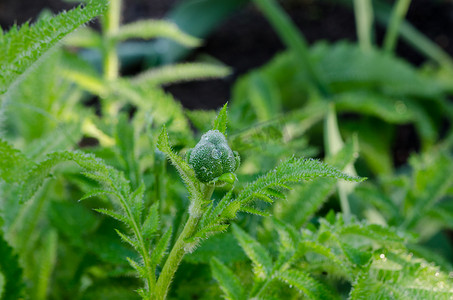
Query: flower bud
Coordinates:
[212,157]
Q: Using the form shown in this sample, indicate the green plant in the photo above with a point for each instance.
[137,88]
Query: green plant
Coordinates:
[91,209]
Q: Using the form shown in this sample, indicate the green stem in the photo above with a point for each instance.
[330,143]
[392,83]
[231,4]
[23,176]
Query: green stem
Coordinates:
[333,143]
[141,241]
[178,251]
[398,14]
[110,27]
[363,11]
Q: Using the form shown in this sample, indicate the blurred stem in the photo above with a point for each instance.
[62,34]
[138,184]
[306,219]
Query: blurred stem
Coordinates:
[178,251]
[333,143]
[398,14]
[110,27]
[363,11]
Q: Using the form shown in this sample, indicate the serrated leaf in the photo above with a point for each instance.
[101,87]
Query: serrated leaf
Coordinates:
[159,251]
[355,256]
[138,267]
[254,211]
[229,283]
[129,240]
[21,47]
[13,163]
[137,202]
[289,237]
[221,121]
[206,232]
[262,262]
[372,231]
[96,193]
[186,173]
[180,73]
[149,29]
[310,246]
[312,288]
[117,216]
[151,223]
[292,170]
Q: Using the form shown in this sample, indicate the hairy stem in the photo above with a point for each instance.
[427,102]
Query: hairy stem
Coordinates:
[178,251]
[398,14]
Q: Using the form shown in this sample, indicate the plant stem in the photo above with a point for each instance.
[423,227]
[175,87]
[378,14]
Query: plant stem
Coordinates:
[363,11]
[110,27]
[398,14]
[333,143]
[178,251]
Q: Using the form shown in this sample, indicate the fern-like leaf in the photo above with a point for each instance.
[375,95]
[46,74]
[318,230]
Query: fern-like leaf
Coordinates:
[151,223]
[179,73]
[186,173]
[149,29]
[312,288]
[292,170]
[262,262]
[159,251]
[117,216]
[229,283]
[13,163]
[21,47]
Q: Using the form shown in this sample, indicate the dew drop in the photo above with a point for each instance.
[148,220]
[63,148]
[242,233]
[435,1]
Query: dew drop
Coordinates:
[437,274]
[382,256]
[215,154]
[291,286]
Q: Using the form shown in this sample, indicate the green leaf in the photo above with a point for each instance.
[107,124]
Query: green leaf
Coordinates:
[13,163]
[431,182]
[254,211]
[355,256]
[184,170]
[136,200]
[292,170]
[129,240]
[221,121]
[159,251]
[312,288]
[39,172]
[138,267]
[179,73]
[21,47]
[117,216]
[206,232]
[12,272]
[372,231]
[151,223]
[47,260]
[264,97]
[262,262]
[149,29]
[229,283]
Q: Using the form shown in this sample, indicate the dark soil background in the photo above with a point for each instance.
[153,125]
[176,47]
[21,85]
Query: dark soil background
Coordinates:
[246,41]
